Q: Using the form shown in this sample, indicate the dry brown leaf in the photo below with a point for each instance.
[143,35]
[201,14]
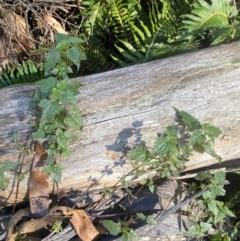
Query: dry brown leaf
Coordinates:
[15,29]
[51,21]
[83,225]
[38,184]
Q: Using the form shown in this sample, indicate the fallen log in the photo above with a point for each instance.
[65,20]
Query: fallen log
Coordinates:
[129,106]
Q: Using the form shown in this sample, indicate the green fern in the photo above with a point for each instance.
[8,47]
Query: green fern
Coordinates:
[154,38]
[28,72]
[217,18]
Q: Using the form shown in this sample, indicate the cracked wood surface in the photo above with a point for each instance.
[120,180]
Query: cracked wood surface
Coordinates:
[129,106]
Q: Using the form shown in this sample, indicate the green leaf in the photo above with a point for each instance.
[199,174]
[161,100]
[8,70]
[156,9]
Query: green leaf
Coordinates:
[211,131]
[216,190]
[112,227]
[66,152]
[209,149]
[3,182]
[53,58]
[228,212]
[203,175]
[47,169]
[209,17]
[188,120]
[56,173]
[212,206]
[74,56]
[220,177]
[171,131]
[163,145]
[67,97]
[141,216]
[199,148]
[47,84]
[129,234]
[50,109]
[151,188]
[74,119]
[192,231]
[50,161]
[9,165]
[60,37]
[197,137]
[74,86]
[39,134]
[151,220]
[139,153]
[62,141]
[205,226]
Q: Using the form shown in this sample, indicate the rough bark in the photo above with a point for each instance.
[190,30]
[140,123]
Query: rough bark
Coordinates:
[129,106]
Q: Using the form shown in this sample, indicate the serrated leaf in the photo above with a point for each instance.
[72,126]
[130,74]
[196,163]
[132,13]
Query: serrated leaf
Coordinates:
[211,131]
[73,119]
[9,165]
[62,141]
[203,175]
[112,227]
[192,231]
[39,134]
[205,226]
[151,220]
[74,55]
[3,182]
[56,172]
[47,169]
[151,188]
[50,161]
[66,153]
[228,212]
[188,119]
[50,109]
[212,206]
[47,84]
[74,87]
[60,37]
[75,40]
[209,149]
[163,145]
[67,97]
[171,131]
[53,58]
[197,137]
[216,190]
[141,216]
[220,176]
[139,153]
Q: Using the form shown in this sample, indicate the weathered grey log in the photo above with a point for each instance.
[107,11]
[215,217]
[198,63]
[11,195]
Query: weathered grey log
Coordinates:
[125,107]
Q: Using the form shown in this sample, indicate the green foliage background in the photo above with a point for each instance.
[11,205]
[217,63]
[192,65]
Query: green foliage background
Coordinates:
[120,33]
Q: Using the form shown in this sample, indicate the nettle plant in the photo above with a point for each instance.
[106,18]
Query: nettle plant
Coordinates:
[168,157]
[173,148]
[55,103]
[212,213]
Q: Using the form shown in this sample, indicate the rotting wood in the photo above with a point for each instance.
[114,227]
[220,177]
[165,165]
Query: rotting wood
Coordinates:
[126,107]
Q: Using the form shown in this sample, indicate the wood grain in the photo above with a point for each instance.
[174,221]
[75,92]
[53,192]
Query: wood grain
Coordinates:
[129,106]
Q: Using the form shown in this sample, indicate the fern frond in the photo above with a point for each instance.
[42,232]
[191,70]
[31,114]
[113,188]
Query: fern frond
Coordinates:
[205,16]
[123,14]
[94,13]
[28,72]
[98,56]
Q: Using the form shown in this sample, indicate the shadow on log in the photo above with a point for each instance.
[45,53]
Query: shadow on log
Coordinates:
[129,106]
